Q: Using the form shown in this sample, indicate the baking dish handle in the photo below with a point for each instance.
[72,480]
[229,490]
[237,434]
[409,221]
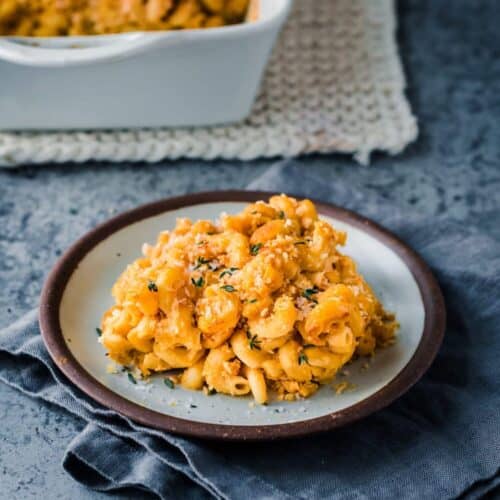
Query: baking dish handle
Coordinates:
[19,51]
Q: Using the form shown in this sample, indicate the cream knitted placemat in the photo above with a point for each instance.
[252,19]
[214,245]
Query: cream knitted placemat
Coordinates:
[334,84]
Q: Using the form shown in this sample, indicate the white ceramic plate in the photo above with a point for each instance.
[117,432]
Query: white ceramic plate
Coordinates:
[78,292]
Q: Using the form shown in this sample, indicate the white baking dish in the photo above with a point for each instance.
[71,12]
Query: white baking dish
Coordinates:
[174,78]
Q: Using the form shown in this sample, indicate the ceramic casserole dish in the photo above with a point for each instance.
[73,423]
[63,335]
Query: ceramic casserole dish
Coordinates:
[147,79]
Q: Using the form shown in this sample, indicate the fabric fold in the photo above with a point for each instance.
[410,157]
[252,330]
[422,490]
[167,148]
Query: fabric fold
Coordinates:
[439,440]
[119,463]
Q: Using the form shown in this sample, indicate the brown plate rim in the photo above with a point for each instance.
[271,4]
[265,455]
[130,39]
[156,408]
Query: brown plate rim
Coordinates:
[433,333]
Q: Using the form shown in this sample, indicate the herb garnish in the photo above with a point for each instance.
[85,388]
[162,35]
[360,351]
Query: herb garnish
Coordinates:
[253,301]
[303,358]
[131,378]
[309,292]
[192,406]
[98,331]
[229,271]
[200,262]
[199,282]
[228,288]
[211,392]
[281,214]
[254,249]
[169,383]
[152,286]
[253,342]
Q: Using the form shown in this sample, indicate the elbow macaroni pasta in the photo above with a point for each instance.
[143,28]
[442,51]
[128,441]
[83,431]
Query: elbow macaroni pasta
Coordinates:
[96,17]
[260,302]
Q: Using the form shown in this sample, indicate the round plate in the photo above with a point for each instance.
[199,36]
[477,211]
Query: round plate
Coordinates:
[77,292]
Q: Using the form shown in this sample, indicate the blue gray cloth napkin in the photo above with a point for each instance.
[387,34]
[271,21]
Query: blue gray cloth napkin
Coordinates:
[440,440]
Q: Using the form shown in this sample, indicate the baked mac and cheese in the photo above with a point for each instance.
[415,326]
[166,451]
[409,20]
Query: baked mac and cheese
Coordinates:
[97,17]
[258,302]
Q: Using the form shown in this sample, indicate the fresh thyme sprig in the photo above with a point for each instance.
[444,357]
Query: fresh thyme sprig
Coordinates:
[200,261]
[254,249]
[253,341]
[169,383]
[309,292]
[228,272]
[199,282]
[303,358]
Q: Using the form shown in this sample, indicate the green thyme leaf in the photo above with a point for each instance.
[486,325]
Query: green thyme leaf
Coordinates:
[98,331]
[253,301]
[254,249]
[152,286]
[199,282]
[228,288]
[303,358]
[309,292]
[131,378]
[254,342]
[281,214]
[200,262]
[228,272]
[169,383]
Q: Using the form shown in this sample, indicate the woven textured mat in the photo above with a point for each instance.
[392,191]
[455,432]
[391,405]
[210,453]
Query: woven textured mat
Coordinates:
[334,84]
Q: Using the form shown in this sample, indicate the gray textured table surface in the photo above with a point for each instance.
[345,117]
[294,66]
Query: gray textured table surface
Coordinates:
[451,52]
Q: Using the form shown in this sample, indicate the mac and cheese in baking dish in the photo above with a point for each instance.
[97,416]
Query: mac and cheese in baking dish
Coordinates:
[97,17]
[261,302]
